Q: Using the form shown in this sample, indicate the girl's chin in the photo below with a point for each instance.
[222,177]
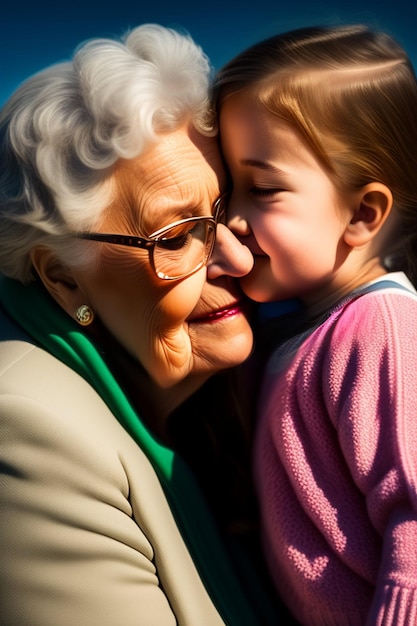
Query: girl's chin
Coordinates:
[258,294]
[262,289]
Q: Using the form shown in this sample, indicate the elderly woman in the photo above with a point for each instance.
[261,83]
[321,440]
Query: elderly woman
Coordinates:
[119,303]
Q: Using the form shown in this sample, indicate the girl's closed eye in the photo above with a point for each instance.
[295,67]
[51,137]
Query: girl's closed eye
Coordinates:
[265,192]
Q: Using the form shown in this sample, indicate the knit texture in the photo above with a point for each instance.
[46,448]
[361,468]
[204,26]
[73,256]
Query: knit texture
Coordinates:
[336,465]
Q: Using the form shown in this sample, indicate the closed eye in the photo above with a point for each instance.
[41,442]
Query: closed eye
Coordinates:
[174,243]
[181,235]
[265,192]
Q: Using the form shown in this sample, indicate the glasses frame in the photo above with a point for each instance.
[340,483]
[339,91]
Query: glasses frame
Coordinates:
[149,243]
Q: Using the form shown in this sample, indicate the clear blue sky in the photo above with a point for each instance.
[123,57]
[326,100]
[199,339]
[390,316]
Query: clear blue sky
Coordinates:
[37,34]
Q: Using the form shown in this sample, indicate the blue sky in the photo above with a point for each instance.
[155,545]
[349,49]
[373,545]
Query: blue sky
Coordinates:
[37,34]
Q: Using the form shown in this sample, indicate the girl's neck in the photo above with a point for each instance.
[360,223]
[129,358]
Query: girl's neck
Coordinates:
[323,301]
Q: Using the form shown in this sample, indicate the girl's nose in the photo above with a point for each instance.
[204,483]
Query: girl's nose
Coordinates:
[238,224]
[230,257]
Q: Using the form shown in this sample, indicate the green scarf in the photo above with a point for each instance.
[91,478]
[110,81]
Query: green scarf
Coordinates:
[33,309]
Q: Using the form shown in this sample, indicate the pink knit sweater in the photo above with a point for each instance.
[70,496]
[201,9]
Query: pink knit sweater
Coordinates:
[336,466]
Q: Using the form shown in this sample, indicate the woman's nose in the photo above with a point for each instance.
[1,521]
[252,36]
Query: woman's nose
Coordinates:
[229,256]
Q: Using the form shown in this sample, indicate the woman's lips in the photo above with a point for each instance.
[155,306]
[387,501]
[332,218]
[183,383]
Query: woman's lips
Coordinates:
[214,316]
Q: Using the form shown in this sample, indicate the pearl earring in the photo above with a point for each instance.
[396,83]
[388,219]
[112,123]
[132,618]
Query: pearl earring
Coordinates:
[84,315]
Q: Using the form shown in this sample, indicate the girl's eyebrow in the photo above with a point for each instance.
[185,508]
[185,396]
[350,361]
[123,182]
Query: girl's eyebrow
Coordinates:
[263,165]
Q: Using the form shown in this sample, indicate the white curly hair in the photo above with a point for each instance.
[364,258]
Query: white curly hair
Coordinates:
[63,130]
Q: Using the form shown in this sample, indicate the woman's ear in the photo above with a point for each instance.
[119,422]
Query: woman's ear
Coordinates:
[58,279]
[373,207]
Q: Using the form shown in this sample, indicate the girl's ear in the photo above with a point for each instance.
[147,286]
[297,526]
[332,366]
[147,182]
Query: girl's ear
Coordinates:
[57,279]
[374,205]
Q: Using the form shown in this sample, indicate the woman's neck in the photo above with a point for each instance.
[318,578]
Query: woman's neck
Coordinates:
[153,403]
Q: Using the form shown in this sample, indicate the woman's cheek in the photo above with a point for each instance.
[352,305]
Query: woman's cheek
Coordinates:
[177,305]
[171,357]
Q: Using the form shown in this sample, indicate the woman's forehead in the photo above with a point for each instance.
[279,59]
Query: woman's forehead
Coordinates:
[173,162]
[175,178]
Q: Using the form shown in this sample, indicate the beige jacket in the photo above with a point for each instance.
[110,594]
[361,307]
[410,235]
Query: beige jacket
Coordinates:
[86,534]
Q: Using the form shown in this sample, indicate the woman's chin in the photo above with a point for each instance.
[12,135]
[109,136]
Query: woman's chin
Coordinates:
[216,343]
[213,355]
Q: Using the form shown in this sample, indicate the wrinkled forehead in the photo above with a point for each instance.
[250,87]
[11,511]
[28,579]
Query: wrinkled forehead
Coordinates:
[178,176]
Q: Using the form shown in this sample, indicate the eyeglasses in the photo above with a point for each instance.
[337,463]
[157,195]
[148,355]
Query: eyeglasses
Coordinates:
[177,250]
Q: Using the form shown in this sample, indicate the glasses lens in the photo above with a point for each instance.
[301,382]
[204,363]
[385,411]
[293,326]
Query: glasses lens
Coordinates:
[183,249]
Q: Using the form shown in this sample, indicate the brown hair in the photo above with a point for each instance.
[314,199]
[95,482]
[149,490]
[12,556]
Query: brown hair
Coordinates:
[351,93]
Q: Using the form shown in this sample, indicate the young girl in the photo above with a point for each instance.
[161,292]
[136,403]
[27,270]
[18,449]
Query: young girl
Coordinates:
[319,132]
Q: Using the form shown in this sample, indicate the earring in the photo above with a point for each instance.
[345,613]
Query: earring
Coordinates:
[84,315]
